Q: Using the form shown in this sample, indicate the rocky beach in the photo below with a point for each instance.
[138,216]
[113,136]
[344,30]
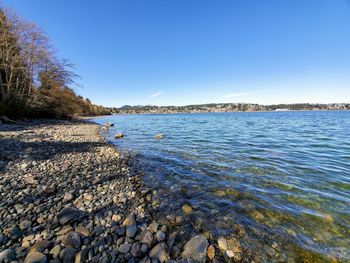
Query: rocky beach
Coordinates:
[68,196]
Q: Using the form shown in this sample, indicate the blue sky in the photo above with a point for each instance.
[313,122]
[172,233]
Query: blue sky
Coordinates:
[177,52]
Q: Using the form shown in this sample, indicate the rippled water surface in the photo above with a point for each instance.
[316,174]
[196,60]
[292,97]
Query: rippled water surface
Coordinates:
[284,176]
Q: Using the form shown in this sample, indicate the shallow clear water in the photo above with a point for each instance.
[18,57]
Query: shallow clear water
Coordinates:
[284,176]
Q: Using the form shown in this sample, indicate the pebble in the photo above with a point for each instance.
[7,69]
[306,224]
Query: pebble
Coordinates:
[124,248]
[160,236]
[35,257]
[159,252]
[186,209]
[68,196]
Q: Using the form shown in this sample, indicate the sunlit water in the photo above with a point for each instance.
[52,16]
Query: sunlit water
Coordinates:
[284,176]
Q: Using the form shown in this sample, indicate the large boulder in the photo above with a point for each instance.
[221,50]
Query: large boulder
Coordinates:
[196,248]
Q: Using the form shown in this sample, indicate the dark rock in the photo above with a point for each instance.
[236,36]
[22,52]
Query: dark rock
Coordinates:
[67,255]
[124,248]
[68,215]
[7,255]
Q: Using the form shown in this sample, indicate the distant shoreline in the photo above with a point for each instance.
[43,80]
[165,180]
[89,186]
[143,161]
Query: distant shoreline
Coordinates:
[170,113]
[228,107]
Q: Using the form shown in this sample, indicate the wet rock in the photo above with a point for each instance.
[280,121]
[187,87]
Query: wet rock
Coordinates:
[230,247]
[211,252]
[68,215]
[186,209]
[159,136]
[196,248]
[159,252]
[35,257]
[108,124]
[7,255]
[118,135]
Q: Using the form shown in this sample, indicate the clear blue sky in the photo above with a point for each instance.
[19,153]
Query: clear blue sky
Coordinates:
[176,52]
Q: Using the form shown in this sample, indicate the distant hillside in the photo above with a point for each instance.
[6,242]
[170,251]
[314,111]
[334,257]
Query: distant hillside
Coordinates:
[227,107]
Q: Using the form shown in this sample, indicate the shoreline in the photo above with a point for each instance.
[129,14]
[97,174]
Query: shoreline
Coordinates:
[68,196]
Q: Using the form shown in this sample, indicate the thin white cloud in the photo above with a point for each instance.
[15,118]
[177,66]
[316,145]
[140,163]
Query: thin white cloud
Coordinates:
[234,95]
[157,94]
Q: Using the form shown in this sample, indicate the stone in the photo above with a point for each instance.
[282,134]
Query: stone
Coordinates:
[40,220]
[116,218]
[72,240]
[55,251]
[25,224]
[229,244]
[68,197]
[160,236]
[196,248]
[88,197]
[147,237]
[68,215]
[81,256]
[84,231]
[124,248]
[222,244]
[131,230]
[153,227]
[30,180]
[7,255]
[118,135]
[64,230]
[159,252]
[39,246]
[186,209]
[35,257]
[211,252]
[135,249]
[67,255]
[159,136]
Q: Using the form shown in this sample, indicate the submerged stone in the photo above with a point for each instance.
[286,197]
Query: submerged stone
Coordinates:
[196,248]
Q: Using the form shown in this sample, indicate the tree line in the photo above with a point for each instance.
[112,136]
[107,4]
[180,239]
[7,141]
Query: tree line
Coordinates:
[228,107]
[34,81]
